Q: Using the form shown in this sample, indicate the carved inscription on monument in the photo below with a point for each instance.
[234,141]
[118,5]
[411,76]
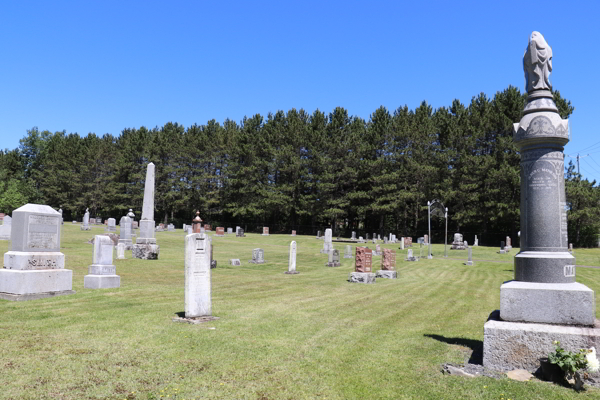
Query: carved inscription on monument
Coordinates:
[563,221]
[542,179]
[569,270]
[42,232]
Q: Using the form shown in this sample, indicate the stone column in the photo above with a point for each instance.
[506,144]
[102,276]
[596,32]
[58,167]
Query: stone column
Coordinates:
[145,245]
[292,259]
[198,300]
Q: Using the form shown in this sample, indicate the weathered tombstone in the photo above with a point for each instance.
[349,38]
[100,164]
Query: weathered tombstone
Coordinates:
[190,230]
[334,258]
[353,236]
[125,234]
[220,231]
[425,239]
[198,300]
[265,231]
[409,256]
[135,225]
[388,265]
[360,239]
[293,233]
[421,240]
[121,251]
[378,237]
[240,233]
[258,256]
[6,228]
[385,240]
[570,247]
[145,246]
[102,272]
[318,234]
[476,242]
[470,259]
[207,227]
[508,243]
[367,237]
[237,228]
[390,238]
[328,243]
[362,266]
[374,236]
[503,248]
[402,243]
[466,244]
[86,221]
[292,259]
[458,243]
[34,268]
[374,241]
[235,261]
[377,251]
[408,242]
[229,231]
[170,228]
[348,251]
[544,302]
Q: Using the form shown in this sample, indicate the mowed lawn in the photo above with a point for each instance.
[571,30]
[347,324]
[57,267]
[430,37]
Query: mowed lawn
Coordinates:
[306,336]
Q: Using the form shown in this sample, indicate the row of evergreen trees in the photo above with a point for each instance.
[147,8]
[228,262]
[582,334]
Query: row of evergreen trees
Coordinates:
[303,171]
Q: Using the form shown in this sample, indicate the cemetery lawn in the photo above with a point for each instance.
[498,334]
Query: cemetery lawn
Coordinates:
[306,336]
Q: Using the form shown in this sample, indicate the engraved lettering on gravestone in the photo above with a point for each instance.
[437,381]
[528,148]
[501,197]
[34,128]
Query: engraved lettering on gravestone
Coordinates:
[569,270]
[199,245]
[42,232]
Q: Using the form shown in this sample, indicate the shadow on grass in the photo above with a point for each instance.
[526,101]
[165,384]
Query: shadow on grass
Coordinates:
[475,345]
[509,270]
[180,314]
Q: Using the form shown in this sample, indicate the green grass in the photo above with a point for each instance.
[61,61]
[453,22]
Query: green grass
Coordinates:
[306,336]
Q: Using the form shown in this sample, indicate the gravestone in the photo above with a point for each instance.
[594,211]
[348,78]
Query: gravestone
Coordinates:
[240,233]
[220,231]
[544,302]
[363,265]
[402,241]
[237,228]
[503,249]
[360,239]
[121,251]
[408,242]
[111,225]
[476,242]
[170,228]
[318,234]
[466,244]
[258,256]
[374,236]
[470,259]
[265,231]
[458,243]
[421,240]
[229,231]
[570,247]
[378,237]
[235,261]
[86,221]
[34,268]
[190,230]
[367,237]
[409,256]
[292,259]
[388,265]
[102,272]
[377,251]
[348,251]
[425,239]
[293,233]
[198,300]
[134,225]
[145,246]
[328,243]
[353,236]
[385,240]
[374,241]
[508,243]
[334,258]
[207,227]
[6,228]
[125,234]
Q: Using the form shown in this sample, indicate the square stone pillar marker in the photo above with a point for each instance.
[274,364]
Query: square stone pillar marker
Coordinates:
[145,244]
[292,259]
[102,272]
[198,298]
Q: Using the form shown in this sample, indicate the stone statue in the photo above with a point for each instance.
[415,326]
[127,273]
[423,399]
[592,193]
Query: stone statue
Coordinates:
[537,63]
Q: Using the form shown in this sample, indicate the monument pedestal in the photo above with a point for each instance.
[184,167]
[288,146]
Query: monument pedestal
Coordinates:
[361,277]
[35,284]
[101,276]
[520,345]
[145,249]
[547,303]
[333,264]
[469,263]
[382,273]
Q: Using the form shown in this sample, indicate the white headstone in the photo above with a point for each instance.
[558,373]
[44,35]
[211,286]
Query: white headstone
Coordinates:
[6,228]
[198,301]
[292,258]
[121,251]
[102,272]
[328,243]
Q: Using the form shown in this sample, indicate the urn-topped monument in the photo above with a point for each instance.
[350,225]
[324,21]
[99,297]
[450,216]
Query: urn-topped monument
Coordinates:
[543,303]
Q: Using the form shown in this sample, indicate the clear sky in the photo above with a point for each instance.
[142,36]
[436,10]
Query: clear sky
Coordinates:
[104,66]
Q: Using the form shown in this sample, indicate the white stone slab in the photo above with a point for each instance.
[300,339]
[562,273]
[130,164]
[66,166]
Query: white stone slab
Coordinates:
[32,282]
[198,301]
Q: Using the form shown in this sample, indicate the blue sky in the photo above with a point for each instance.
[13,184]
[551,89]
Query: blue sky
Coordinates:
[105,66]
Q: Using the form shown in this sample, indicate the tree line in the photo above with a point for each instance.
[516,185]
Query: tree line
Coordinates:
[302,171]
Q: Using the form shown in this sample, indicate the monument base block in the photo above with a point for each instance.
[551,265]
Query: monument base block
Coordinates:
[382,273]
[291,272]
[101,281]
[469,263]
[333,264]
[85,228]
[34,296]
[547,303]
[257,262]
[145,249]
[518,345]
[26,260]
[361,277]
[19,282]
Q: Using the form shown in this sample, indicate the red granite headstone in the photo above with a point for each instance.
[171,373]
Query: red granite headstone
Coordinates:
[265,230]
[220,231]
[407,242]
[388,261]
[364,259]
